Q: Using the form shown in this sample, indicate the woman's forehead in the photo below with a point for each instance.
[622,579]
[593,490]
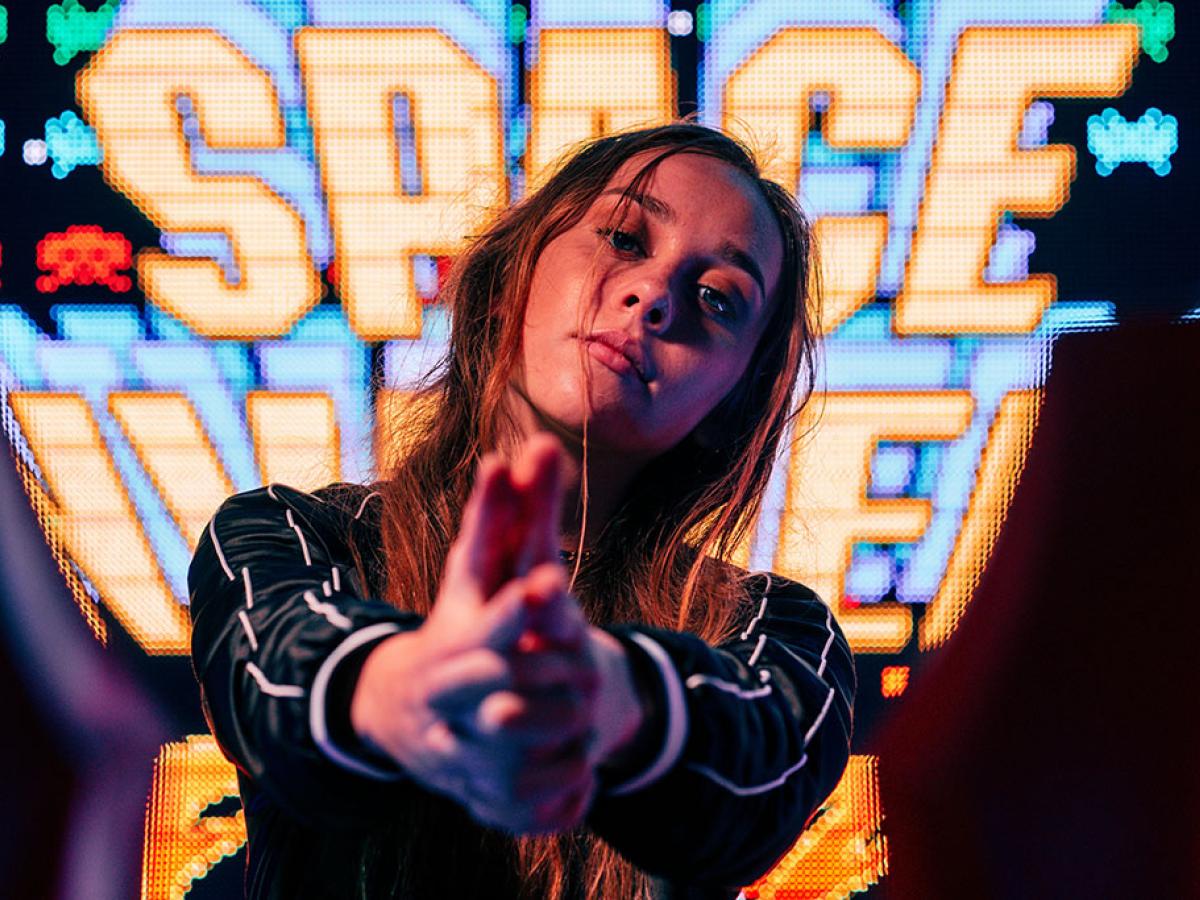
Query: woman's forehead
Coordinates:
[681,169]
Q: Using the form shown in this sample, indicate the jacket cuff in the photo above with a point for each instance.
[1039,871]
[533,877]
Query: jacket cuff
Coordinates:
[660,741]
[329,706]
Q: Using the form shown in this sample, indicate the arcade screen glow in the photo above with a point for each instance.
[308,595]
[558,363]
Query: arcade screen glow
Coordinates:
[224,223]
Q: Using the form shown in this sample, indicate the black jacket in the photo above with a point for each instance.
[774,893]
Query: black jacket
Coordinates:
[742,743]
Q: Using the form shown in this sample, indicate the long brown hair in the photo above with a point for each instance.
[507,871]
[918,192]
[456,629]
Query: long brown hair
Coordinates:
[662,559]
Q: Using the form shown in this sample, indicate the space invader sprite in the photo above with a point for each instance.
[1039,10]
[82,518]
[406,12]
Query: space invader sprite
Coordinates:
[1151,139]
[71,143]
[1156,21]
[72,28]
[84,254]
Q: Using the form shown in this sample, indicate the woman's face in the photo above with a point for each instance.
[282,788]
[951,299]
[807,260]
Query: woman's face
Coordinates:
[672,298]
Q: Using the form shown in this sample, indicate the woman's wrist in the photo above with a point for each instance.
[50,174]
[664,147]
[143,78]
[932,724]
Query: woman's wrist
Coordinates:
[382,670]
[622,714]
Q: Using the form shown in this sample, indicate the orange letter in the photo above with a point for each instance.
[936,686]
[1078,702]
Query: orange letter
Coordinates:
[842,851]
[96,521]
[977,172]
[182,844]
[128,93]
[352,78]
[873,89]
[999,469]
[295,438]
[827,507]
[171,445]
[583,86]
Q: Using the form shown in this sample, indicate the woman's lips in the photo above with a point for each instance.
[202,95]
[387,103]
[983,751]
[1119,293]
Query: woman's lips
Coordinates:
[611,358]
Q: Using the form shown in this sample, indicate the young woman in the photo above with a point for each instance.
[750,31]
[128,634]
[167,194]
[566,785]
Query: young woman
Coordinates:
[522,665]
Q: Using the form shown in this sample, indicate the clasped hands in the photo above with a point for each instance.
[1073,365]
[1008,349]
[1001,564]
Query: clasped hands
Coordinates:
[505,699]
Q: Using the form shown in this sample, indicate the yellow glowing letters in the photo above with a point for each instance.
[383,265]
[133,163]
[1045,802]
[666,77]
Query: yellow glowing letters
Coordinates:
[128,93]
[999,469]
[977,172]
[173,447]
[582,87]
[872,88]
[295,438]
[96,521]
[843,851]
[352,78]
[827,507]
[182,844]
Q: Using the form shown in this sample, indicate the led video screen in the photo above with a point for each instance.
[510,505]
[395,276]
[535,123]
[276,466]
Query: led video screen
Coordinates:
[233,217]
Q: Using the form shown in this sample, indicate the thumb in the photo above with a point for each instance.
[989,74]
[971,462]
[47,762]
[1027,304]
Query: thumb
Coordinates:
[505,616]
[554,615]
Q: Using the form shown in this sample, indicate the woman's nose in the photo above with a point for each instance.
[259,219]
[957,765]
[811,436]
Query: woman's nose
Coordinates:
[655,303]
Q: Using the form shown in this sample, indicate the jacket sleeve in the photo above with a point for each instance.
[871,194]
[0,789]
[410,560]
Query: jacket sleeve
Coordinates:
[747,739]
[280,627]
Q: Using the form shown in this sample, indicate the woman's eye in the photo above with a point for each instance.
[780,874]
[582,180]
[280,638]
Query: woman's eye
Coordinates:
[622,241]
[718,302]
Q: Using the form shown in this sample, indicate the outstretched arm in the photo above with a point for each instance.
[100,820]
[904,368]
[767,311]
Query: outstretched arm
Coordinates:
[744,743]
[279,622]
[487,702]
[319,694]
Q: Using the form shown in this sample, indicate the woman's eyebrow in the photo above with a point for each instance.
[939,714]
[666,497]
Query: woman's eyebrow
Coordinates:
[648,202]
[744,261]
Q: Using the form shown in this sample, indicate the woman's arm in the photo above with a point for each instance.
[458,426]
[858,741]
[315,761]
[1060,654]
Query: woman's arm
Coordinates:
[281,626]
[743,743]
[490,701]
[452,702]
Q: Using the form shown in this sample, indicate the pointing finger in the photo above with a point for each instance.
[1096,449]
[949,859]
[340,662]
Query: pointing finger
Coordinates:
[537,477]
[478,556]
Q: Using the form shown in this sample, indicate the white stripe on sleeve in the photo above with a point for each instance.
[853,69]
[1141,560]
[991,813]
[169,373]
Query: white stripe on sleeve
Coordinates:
[828,641]
[750,790]
[729,687]
[250,635]
[286,691]
[299,534]
[335,616]
[316,710]
[362,506]
[212,533]
[677,720]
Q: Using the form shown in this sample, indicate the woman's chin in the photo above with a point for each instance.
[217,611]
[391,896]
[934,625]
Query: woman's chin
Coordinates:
[617,431]
[615,422]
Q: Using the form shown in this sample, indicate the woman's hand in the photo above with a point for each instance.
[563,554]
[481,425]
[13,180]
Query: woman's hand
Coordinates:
[492,700]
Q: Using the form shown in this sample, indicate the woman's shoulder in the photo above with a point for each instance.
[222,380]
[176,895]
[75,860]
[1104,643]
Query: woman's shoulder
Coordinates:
[777,600]
[792,613]
[342,519]
[763,583]
[340,503]
[758,584]
[340,516]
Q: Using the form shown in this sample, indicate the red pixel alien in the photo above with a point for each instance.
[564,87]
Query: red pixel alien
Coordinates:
[84,254]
